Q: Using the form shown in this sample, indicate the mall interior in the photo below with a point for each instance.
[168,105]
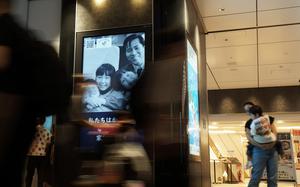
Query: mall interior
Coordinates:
[201,61]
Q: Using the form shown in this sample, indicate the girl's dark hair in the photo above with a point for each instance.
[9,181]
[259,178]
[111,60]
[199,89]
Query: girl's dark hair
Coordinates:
[90,81]
[105,69]
[255,110]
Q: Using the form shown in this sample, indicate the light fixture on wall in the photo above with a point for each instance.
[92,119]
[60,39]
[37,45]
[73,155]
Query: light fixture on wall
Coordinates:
[99,2]
[138,2]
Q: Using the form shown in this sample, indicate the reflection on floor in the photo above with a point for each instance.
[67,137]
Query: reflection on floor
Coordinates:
[262,184]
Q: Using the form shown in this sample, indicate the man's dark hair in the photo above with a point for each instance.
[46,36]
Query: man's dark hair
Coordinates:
[255,110]
[248,103]
[106,69]
[132,37]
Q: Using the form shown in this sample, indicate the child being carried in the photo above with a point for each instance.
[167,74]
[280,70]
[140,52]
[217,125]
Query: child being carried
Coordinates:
[261,132]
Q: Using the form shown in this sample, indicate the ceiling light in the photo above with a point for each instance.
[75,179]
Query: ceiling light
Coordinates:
[221,9]
[231,63]
[214,123]
[279,121]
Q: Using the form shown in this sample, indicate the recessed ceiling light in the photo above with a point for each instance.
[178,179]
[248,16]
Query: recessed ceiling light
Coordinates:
[221,9]
[231,63]
[279,121]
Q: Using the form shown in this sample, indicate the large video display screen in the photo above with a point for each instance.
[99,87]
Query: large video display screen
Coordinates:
[111,65]
[193,101]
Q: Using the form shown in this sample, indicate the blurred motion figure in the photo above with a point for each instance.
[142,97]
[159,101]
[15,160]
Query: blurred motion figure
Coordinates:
[126,160]
[32,83]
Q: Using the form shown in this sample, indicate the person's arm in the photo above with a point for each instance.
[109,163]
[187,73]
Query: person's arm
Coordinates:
[274,129]
[115,101]
[93,102]
[253,142]
[250,139]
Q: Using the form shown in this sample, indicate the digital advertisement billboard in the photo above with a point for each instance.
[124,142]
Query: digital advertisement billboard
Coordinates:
[112,65]
[111,62]
[193,101]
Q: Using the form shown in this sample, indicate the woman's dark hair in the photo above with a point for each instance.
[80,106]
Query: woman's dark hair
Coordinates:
[255,110]
[132,37]
[117,79]
[248,103]
[105,69]
[41,119]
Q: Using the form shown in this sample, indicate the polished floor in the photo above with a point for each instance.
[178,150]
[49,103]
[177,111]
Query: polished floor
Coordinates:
[262,184]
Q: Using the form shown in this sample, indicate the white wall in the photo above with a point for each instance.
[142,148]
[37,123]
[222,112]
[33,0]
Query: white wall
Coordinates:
[41,16]
[19,9]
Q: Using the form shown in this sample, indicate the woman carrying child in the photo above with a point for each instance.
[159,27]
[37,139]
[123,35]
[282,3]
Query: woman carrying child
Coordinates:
[263,149]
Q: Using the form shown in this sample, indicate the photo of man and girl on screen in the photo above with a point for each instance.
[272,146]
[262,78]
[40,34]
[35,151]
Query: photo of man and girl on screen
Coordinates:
[112,65]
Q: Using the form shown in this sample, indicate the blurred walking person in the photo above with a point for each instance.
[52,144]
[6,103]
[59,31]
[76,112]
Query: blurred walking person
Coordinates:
[32,83]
